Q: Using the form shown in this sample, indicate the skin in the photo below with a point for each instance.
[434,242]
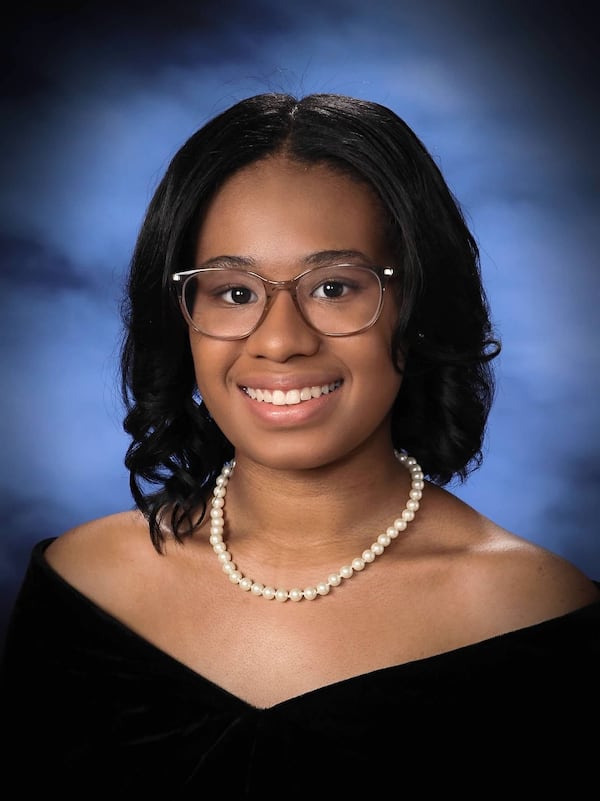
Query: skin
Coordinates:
[284,353]
[313,486]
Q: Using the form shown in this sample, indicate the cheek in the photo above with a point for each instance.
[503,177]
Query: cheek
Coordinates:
[397,354]
[377,368]
[387,379]
[383,334]
[212,359]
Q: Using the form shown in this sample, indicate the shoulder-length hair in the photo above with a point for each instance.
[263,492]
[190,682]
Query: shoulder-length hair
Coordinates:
[444,327]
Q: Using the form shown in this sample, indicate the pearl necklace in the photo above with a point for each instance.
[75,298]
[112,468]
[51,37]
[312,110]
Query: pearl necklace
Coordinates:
[334,579]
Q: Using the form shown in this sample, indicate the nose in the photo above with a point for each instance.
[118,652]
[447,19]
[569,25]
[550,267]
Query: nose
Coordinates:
[283,332]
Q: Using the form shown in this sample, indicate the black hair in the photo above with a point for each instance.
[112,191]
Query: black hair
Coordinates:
[444,326]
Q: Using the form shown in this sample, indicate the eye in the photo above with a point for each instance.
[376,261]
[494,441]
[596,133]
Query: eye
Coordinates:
[221,287]
[330,289]
[338,284]
[237,295]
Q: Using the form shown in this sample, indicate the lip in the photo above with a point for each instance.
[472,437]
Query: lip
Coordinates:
[294,413]
[292,396]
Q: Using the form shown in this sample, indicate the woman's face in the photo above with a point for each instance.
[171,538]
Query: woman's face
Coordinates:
[277,216]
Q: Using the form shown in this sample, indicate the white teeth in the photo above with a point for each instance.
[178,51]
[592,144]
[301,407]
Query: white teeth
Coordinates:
[285,398]
[293,396]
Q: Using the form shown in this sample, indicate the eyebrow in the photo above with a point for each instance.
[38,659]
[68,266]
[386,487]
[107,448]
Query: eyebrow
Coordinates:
[329,256]
[313,259]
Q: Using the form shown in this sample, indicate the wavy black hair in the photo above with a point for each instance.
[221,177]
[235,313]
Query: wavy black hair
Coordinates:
[444,326]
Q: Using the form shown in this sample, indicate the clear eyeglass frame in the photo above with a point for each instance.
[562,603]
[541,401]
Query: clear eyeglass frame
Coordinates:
[181,279]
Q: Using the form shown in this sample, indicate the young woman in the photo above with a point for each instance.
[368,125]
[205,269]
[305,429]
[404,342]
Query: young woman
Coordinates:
[296,597]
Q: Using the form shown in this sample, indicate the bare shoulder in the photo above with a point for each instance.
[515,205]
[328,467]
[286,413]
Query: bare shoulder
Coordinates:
[96,538]
[497,581]
[96,556]
[526,581]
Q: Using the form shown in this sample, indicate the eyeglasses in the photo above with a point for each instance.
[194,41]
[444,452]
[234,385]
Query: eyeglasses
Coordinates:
[230,303]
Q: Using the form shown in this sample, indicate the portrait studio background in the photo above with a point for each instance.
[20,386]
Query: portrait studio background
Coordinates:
[97,98]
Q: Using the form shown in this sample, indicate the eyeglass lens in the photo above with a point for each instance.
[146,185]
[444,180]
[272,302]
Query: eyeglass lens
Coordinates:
[223,302]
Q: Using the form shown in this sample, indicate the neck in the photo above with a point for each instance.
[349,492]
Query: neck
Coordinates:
[378,542]
[320,508]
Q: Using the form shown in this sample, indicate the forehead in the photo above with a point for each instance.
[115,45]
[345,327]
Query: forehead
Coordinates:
[277,209]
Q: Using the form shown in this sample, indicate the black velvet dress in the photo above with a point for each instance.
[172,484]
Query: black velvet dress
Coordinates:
[90,709]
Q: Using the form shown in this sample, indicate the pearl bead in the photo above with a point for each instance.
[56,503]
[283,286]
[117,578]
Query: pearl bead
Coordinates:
[334,579]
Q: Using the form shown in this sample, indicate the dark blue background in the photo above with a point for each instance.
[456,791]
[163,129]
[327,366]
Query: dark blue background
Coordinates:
[96,98]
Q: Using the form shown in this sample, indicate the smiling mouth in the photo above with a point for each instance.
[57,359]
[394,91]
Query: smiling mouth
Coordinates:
[278,397]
